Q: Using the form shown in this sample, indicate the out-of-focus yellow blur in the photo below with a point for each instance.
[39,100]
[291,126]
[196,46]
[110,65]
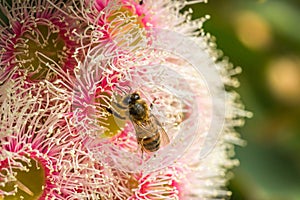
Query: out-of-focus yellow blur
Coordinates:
[252,30]
[283,76]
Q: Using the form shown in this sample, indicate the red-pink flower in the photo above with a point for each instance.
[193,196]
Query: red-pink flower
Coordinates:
[163,184]
[37,40]
[116,25]
[34,135]
[56,113]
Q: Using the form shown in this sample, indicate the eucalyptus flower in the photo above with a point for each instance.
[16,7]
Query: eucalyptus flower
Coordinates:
[183,76]
[37,39]
[65,70]
[34,134]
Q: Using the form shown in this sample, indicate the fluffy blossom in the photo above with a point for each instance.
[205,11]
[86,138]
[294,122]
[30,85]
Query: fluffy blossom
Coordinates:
[66,68]
[36,136]
[36,40]
[37,140]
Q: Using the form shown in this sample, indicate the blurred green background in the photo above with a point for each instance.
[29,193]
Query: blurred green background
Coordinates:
[263,37]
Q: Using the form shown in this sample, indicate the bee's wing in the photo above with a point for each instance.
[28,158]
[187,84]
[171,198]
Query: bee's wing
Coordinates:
[142,131]
[150,129]
[164,138]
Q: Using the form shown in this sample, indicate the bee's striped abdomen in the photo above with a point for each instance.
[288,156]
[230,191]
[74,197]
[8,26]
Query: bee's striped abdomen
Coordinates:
[151,143]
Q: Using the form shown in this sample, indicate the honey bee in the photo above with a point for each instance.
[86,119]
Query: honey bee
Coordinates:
[149,132]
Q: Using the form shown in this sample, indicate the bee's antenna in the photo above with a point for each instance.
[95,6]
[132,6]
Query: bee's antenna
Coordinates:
[130,89]
[119,88]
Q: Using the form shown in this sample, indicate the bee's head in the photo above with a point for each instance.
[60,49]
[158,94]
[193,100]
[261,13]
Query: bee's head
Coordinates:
[131,98]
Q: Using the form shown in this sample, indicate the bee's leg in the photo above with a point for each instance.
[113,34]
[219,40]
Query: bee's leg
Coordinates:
[142,154]
[115,114]
[141,147]
[119,106]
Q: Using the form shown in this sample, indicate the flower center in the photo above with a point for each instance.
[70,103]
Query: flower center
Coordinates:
[28,183]
[132,183]
[38,46]
[126,27]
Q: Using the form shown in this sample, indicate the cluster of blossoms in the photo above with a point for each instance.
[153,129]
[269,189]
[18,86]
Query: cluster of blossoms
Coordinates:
[63,64]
